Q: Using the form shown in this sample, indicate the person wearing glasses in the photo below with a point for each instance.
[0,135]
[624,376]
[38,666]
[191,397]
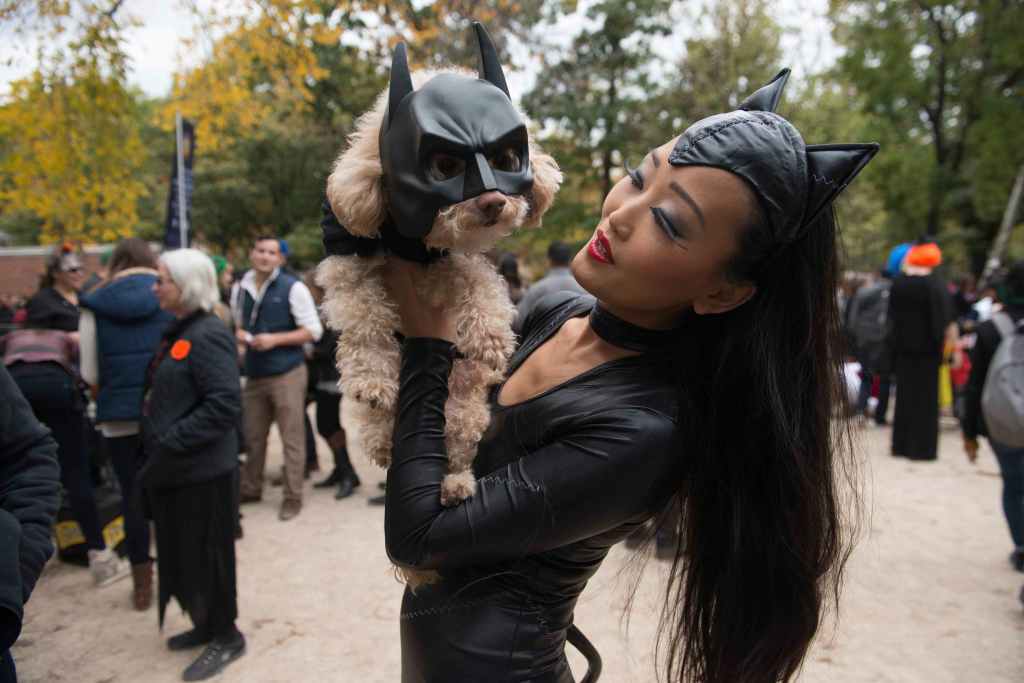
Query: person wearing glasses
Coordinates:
[43,360]
[192,398]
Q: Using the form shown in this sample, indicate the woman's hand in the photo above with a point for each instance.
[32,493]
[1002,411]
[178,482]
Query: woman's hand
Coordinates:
[403,280]
[971,450]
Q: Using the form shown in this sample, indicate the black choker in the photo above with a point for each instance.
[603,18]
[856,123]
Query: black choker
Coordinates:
[626,335]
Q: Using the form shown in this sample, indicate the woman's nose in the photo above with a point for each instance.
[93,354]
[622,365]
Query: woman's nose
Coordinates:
[620,222]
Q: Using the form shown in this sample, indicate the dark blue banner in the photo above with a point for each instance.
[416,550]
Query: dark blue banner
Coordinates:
[172,233]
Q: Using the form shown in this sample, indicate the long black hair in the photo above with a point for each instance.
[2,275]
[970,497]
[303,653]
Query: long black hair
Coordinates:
[768,504]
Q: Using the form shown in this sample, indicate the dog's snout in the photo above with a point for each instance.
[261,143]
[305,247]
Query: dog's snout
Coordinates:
[491,204]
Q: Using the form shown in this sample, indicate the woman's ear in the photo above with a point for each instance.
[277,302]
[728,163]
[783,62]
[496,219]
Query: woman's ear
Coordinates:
[726,297]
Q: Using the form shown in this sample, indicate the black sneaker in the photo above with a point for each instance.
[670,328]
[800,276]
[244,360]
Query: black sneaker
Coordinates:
[377,500]
[215,657]
[331,480]
[188,640]
[1017,559]
[346,487]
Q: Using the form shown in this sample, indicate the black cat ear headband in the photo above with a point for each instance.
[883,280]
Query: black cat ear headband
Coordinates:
[794,181]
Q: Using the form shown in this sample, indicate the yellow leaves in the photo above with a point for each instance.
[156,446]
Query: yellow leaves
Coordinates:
[261,67]
[72,156]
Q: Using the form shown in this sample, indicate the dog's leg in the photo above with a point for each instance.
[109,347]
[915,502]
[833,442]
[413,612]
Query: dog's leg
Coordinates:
[483,323]
[468,415]
[485,317]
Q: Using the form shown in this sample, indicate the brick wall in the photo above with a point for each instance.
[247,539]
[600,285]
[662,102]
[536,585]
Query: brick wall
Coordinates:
[21,267]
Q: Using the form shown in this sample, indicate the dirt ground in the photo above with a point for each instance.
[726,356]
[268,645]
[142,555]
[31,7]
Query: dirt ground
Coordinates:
[930,596]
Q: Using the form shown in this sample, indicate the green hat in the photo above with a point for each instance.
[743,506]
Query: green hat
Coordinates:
[219,263]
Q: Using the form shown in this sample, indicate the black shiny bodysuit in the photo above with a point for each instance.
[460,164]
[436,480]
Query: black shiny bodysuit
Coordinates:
[562,477]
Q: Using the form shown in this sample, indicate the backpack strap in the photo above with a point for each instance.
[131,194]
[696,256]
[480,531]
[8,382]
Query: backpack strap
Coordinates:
[1004,324]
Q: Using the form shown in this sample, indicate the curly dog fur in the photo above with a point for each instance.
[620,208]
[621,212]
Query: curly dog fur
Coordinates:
[356,302]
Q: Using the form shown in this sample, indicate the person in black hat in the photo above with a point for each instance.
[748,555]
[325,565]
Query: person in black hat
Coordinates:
[701,377]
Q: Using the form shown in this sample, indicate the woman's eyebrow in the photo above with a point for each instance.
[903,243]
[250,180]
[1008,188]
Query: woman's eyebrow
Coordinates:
[684,195]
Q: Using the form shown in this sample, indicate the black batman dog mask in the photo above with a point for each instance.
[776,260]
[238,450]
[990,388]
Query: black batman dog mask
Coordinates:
[453,139]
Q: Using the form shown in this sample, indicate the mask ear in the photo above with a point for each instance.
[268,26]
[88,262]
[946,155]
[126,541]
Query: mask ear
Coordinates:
[401,80]
[766,98]
[490,67]
[831,168]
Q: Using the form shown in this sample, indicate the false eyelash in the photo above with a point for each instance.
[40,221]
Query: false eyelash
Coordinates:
[634,175]
[663,220]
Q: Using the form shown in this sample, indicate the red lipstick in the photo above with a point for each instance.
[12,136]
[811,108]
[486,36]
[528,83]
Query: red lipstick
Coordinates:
[600,249]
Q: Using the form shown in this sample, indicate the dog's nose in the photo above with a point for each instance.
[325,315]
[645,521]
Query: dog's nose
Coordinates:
[491,204]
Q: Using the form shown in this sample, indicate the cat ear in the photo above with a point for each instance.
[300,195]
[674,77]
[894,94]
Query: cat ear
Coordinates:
[490,67]
[766,98]
[401,80]
[831,168]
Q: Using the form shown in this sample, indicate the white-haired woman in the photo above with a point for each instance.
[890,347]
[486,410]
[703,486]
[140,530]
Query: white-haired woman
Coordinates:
[191,404]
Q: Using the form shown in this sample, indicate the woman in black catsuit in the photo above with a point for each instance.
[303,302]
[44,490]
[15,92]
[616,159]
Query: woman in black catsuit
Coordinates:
[703,371]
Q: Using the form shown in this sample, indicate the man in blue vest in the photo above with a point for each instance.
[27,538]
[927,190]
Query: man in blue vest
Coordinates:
[275,316]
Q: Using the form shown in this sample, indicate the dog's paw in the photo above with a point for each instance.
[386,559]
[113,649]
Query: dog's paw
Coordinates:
[457,487]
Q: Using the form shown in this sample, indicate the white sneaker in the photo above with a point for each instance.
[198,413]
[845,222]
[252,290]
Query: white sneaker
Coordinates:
[107,567]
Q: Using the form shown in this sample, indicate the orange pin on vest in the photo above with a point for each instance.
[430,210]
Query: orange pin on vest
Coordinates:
[180,349]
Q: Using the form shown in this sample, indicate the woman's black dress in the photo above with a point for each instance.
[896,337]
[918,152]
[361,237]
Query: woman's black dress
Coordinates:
[561,478]
[189,417]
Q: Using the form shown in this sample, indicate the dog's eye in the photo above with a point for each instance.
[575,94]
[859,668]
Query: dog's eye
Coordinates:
[445,166]
[506,160]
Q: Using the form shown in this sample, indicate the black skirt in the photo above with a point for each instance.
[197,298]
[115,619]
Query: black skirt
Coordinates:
[915,428]
[195,545]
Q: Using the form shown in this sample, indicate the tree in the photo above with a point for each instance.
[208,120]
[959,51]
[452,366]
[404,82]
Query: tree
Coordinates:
[273,104]
[940,82]
[735,51]
[594,95]
[71,154]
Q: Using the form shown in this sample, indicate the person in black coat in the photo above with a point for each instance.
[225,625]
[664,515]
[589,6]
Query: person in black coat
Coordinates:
[920,310]
[1011,460]
[191,402]
[29,492]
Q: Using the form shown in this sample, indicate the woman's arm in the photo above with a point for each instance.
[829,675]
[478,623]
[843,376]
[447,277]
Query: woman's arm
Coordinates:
[588,481]
[29,494]
[985,343]
[214,369]
[88,349]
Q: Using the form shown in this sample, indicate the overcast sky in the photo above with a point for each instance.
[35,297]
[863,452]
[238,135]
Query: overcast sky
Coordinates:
[156,52]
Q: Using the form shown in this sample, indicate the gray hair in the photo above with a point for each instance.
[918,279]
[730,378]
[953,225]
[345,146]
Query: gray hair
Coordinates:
[192,271]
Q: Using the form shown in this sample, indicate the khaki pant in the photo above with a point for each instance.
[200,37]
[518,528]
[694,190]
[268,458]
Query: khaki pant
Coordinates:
[280,399]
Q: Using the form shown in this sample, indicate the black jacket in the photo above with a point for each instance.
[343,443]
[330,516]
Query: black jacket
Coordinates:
[29,490]
[561,477]
[920,309]
[191,403]
[985,345]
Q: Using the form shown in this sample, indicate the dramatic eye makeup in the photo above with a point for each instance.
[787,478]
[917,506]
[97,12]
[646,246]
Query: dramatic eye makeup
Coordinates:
[634,175]
[667,224]
[661,217]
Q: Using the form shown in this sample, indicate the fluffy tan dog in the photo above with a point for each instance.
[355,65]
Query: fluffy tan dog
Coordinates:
[357,303]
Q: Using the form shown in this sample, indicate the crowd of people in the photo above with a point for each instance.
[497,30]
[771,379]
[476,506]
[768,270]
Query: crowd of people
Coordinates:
[159,346]
[137,372]
[711,301]
[935,340]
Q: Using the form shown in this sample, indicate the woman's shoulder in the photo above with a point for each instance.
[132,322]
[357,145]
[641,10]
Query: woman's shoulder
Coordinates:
[560,305]
[207,326]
